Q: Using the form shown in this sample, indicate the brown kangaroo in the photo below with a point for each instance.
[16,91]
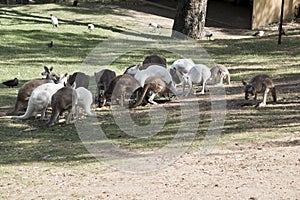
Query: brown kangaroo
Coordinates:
[65,99]
[261,83]
[103,79]
[27,88]
[153,60]
[121,86]
[153,85]
[80,78]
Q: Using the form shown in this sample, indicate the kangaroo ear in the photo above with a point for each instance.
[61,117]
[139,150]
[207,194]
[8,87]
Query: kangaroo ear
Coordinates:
[66,74]
[46,69]
[244,83]
[51,68]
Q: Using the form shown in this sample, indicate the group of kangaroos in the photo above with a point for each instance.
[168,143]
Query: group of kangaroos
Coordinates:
[139,85]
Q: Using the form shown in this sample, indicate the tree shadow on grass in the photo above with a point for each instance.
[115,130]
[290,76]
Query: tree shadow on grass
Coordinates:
[31,18]
[23,142]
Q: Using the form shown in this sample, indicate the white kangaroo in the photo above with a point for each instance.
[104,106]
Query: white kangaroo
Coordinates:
[85,100]
[179,68]
[220,72]
[198,74]
[153,70]
[183,65]
[41,98]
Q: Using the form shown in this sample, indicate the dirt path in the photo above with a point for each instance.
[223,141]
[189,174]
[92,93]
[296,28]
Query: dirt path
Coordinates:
[253,171]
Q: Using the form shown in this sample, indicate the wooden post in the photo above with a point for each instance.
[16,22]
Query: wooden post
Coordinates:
[281,22]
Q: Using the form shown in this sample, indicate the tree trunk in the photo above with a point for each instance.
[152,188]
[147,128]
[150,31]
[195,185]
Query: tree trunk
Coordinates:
[189,19]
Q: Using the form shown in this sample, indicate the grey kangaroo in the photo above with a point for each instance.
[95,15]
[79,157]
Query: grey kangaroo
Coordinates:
[261,83]
[103,79]
[219,72]
[65,99]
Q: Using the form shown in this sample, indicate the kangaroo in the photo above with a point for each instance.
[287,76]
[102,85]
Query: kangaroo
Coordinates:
[153,60]
[65,99]
[220,72]
[153,70]
[103,79]
[41,98]
[179,68]
[80,78]
[153,85]
[85,100]
[261,83]
[198,74]
[120,87]
[183,65]
[26,89]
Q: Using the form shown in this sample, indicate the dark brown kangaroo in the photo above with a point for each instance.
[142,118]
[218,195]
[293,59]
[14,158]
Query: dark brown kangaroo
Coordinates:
[261,83]
[120,87]
[65,99]
[103,79]
[153,60]
[153,85]
[27,88]
[80,78]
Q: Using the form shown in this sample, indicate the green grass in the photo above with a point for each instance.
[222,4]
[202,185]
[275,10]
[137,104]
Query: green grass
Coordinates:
[25,31]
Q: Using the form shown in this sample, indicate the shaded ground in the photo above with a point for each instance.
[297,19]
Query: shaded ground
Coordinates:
[219,14]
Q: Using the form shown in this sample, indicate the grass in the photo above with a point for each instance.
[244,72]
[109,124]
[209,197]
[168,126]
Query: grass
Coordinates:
[26,30]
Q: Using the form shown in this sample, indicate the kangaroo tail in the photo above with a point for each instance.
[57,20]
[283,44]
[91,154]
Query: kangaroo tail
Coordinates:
[88,111]
[144,91]
[5,117]
[228,79]
[28,113]
[273,91]
[16,108]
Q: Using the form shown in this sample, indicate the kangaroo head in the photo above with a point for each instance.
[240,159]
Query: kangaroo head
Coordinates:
[174,74]
[47,71]
[132,69]
[63,79]
[67,84]
[101,98]
[186,78]
[49,74]
[249,91]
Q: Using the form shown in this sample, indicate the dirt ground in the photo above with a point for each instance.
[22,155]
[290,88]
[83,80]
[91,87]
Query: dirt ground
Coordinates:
[262,170]
[268,170]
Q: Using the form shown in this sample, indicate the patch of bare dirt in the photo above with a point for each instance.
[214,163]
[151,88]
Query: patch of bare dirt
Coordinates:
[244,172]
